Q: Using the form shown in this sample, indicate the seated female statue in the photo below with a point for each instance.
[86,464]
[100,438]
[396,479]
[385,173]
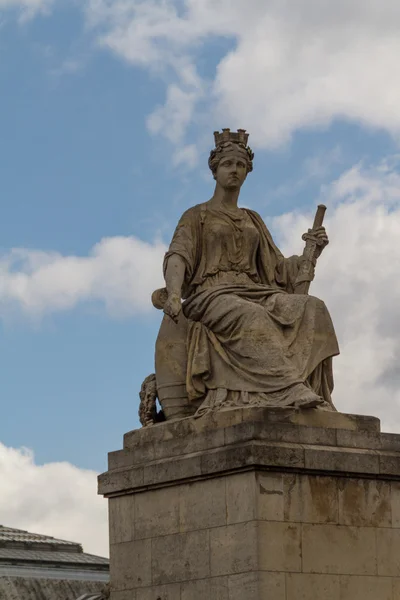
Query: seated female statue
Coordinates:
[251,340]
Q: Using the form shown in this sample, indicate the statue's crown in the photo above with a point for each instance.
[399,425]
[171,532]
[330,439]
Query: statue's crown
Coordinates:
[241,137]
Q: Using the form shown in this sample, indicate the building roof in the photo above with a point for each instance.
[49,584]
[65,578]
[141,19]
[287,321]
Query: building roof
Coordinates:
[19,536]
[27,554]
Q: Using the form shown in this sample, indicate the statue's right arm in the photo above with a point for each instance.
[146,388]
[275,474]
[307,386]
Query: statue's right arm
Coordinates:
[174,278]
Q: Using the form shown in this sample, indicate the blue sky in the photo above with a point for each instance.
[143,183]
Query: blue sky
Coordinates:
[105,128]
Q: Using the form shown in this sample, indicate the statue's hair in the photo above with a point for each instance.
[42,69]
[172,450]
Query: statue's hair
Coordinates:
[226,148]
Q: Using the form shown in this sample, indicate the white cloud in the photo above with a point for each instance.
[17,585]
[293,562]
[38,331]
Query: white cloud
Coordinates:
[358,277]
[121,272]
[54,499]
[27,8]
[292,64]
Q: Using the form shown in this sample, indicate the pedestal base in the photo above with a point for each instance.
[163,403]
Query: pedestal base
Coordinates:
[256,504]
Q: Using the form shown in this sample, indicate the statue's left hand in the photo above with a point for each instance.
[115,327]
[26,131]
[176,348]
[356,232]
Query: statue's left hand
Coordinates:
[173,307]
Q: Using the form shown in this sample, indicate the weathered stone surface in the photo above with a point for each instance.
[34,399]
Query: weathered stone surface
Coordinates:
[305,586]
[396,589]
[279,546]
[172,470]
[130,565]
[200,434]
[388,548]
[165,592]
[389,463]
[280,510]
[131,595]
[395,502]
[366,588]
[215,588]
[338,549]
[246,437]
[257,586]
[311,499]
[241,505]
[233,549]
[348,461]
[121,518]
[269,496]
[157,514]
[127,478]
[202,504]
[180,557]
[365,502]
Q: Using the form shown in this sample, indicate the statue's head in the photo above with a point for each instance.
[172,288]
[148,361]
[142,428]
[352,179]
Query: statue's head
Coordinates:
[231,159]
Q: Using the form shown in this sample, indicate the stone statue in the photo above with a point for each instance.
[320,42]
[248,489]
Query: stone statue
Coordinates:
[243,335]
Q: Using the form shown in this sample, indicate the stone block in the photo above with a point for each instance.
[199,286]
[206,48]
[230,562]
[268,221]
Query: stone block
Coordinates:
[390,442]
[157,513]
[131,595]
[241,497]
[185,429]
[395,500]
[164,592]
[272,585]
[244,432]
[335,420]
[305,586]
[226,459]
[180,557]
[197,442]
[202,504]
[337,460]
[254,495]
[215,588]
[121,519]
[365,502]
[120,480]
[172,470]
[279,546]
[396,589]
[269,497]
[310,499]
[366,588]
[389,463]
[123,458]
[388,545]
[130,565]
[339,549]
[278,455]
[318,436]
[358,439]
[233,549]
[257,586]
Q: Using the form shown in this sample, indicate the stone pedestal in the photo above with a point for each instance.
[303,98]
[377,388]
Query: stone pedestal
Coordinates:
[256,504]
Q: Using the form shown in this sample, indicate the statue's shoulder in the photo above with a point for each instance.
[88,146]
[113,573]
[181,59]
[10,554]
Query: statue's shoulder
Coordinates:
[194,213]
[254,215]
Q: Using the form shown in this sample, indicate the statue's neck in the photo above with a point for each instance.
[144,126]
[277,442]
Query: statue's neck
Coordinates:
[225,198]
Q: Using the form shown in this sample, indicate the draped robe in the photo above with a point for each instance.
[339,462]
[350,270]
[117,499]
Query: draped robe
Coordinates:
[251,340]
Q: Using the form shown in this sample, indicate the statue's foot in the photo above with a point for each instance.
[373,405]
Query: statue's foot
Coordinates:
[306,398]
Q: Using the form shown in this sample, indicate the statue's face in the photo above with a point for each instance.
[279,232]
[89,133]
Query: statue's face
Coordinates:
[231,172]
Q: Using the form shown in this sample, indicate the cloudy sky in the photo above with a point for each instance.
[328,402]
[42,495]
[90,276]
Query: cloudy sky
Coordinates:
[106,121]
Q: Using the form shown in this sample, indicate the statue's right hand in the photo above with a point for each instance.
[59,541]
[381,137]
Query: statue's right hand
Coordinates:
[173,307]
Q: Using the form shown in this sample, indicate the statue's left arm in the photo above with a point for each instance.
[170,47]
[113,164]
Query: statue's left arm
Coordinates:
[273,267]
